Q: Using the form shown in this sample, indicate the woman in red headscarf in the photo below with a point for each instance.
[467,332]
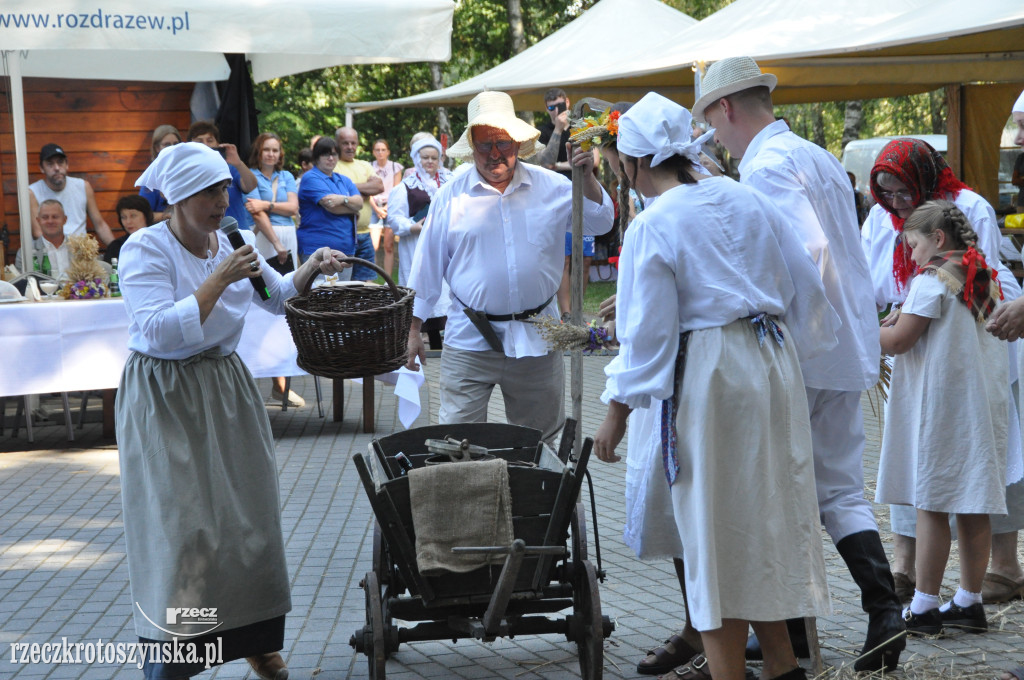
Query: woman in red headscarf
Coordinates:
[907,173]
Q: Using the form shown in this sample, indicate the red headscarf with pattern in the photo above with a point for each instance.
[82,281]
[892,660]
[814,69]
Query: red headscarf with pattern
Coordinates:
[924,171]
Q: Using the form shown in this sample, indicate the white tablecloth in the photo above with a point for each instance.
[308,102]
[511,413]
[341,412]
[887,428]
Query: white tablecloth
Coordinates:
[83,345]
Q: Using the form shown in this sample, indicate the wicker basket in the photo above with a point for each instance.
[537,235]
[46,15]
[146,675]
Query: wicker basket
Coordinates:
[351,331]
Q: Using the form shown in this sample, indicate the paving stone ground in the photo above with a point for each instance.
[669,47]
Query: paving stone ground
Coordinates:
[63,572]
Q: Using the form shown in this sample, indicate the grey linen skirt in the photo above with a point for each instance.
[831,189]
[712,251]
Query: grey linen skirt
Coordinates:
[201,504]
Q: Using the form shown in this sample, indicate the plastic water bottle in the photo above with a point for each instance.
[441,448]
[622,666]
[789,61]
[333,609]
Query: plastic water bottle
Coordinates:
[115,286]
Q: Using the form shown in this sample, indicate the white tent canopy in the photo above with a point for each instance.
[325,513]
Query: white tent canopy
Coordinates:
[821,51]
[180,40]
[566,56]
[900,46]
[185,40]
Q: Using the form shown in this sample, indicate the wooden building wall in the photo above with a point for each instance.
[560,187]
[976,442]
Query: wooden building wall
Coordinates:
[104,126]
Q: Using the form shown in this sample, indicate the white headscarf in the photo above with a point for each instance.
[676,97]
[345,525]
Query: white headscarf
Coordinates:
[656,126]
[421,178]
[1018,107]
[182,170]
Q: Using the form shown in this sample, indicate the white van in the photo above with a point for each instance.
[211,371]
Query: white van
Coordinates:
[860,154]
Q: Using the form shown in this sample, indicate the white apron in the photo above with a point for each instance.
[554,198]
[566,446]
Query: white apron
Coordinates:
[745,502]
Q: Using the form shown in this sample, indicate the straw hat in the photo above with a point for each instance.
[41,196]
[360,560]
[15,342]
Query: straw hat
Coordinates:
[729,76]
[494,109]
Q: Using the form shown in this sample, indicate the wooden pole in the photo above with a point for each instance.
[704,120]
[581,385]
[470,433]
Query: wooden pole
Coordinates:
[576,276]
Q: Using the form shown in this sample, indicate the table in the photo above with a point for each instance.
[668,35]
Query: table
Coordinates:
[73,346]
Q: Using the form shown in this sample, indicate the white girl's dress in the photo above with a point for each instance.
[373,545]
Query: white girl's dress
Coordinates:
[944,442]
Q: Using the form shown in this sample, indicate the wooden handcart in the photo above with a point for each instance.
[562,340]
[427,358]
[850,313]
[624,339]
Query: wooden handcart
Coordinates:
[545,571]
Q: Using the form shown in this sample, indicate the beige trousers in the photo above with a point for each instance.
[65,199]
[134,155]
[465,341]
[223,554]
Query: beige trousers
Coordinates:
[532,388]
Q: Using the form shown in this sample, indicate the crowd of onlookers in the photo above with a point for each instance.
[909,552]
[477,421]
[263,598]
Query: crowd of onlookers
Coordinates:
[263,197]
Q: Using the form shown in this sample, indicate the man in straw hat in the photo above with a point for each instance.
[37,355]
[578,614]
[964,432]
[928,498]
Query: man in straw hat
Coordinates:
[495,234]
[811,188]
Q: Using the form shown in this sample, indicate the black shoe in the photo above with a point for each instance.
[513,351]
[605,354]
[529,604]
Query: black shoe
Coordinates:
[797,636]
[971,619]
[929,623]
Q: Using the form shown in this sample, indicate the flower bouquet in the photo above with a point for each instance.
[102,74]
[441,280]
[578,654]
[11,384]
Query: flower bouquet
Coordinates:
[87,279]
[568,337]
[592,130]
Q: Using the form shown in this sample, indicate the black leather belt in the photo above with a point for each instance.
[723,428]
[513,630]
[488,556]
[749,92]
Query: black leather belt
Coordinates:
[521,316]
[482,321]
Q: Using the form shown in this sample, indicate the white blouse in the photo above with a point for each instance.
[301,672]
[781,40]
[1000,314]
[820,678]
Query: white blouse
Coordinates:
[158,277]
[703,256]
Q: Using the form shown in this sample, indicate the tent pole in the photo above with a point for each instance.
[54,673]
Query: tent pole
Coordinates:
[12,60]
[348,116]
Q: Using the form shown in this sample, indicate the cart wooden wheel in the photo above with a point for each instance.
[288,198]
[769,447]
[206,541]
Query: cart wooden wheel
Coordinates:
[578,529]
[380,557]
[587,610]
[376,654]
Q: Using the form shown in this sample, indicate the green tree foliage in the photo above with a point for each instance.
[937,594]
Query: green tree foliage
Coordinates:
[300,106]
[914,114]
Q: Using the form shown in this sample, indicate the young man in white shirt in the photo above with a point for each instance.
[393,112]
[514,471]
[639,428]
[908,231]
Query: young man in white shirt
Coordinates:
[811,188]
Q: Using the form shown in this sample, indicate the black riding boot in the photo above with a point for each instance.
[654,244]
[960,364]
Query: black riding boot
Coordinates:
[865,557]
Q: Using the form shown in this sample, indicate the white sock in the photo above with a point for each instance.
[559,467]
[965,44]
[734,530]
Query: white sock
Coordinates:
[965,598]
[923,602]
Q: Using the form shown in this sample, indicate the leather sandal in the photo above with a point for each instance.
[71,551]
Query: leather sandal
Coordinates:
[997,589]
[675,651]
[269,666]
[697,669]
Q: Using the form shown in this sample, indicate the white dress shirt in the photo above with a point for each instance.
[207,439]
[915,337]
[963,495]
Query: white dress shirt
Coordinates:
[158,277]
[810,188]
[60,256]
[878,238]
[703,256]
[501,253]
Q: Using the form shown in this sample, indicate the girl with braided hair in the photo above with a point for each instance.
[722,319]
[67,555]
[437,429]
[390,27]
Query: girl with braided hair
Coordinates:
[907,173]
[944,442]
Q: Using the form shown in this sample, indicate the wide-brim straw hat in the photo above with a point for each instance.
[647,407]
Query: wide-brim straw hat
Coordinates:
[495,109]
[727,77]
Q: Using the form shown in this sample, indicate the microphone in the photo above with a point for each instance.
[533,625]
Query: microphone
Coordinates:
[229,225]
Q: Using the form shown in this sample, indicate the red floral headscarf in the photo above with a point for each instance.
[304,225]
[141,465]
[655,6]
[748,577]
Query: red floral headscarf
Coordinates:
[924,171]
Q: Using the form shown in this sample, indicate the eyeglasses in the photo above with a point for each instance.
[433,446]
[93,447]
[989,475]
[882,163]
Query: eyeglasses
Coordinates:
[904,196]
[504,146]
[330,153]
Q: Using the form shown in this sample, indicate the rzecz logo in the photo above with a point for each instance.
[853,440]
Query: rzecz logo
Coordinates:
[187,616]
[191,615]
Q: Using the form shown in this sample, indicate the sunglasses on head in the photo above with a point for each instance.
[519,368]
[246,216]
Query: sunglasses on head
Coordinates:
[504,146]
